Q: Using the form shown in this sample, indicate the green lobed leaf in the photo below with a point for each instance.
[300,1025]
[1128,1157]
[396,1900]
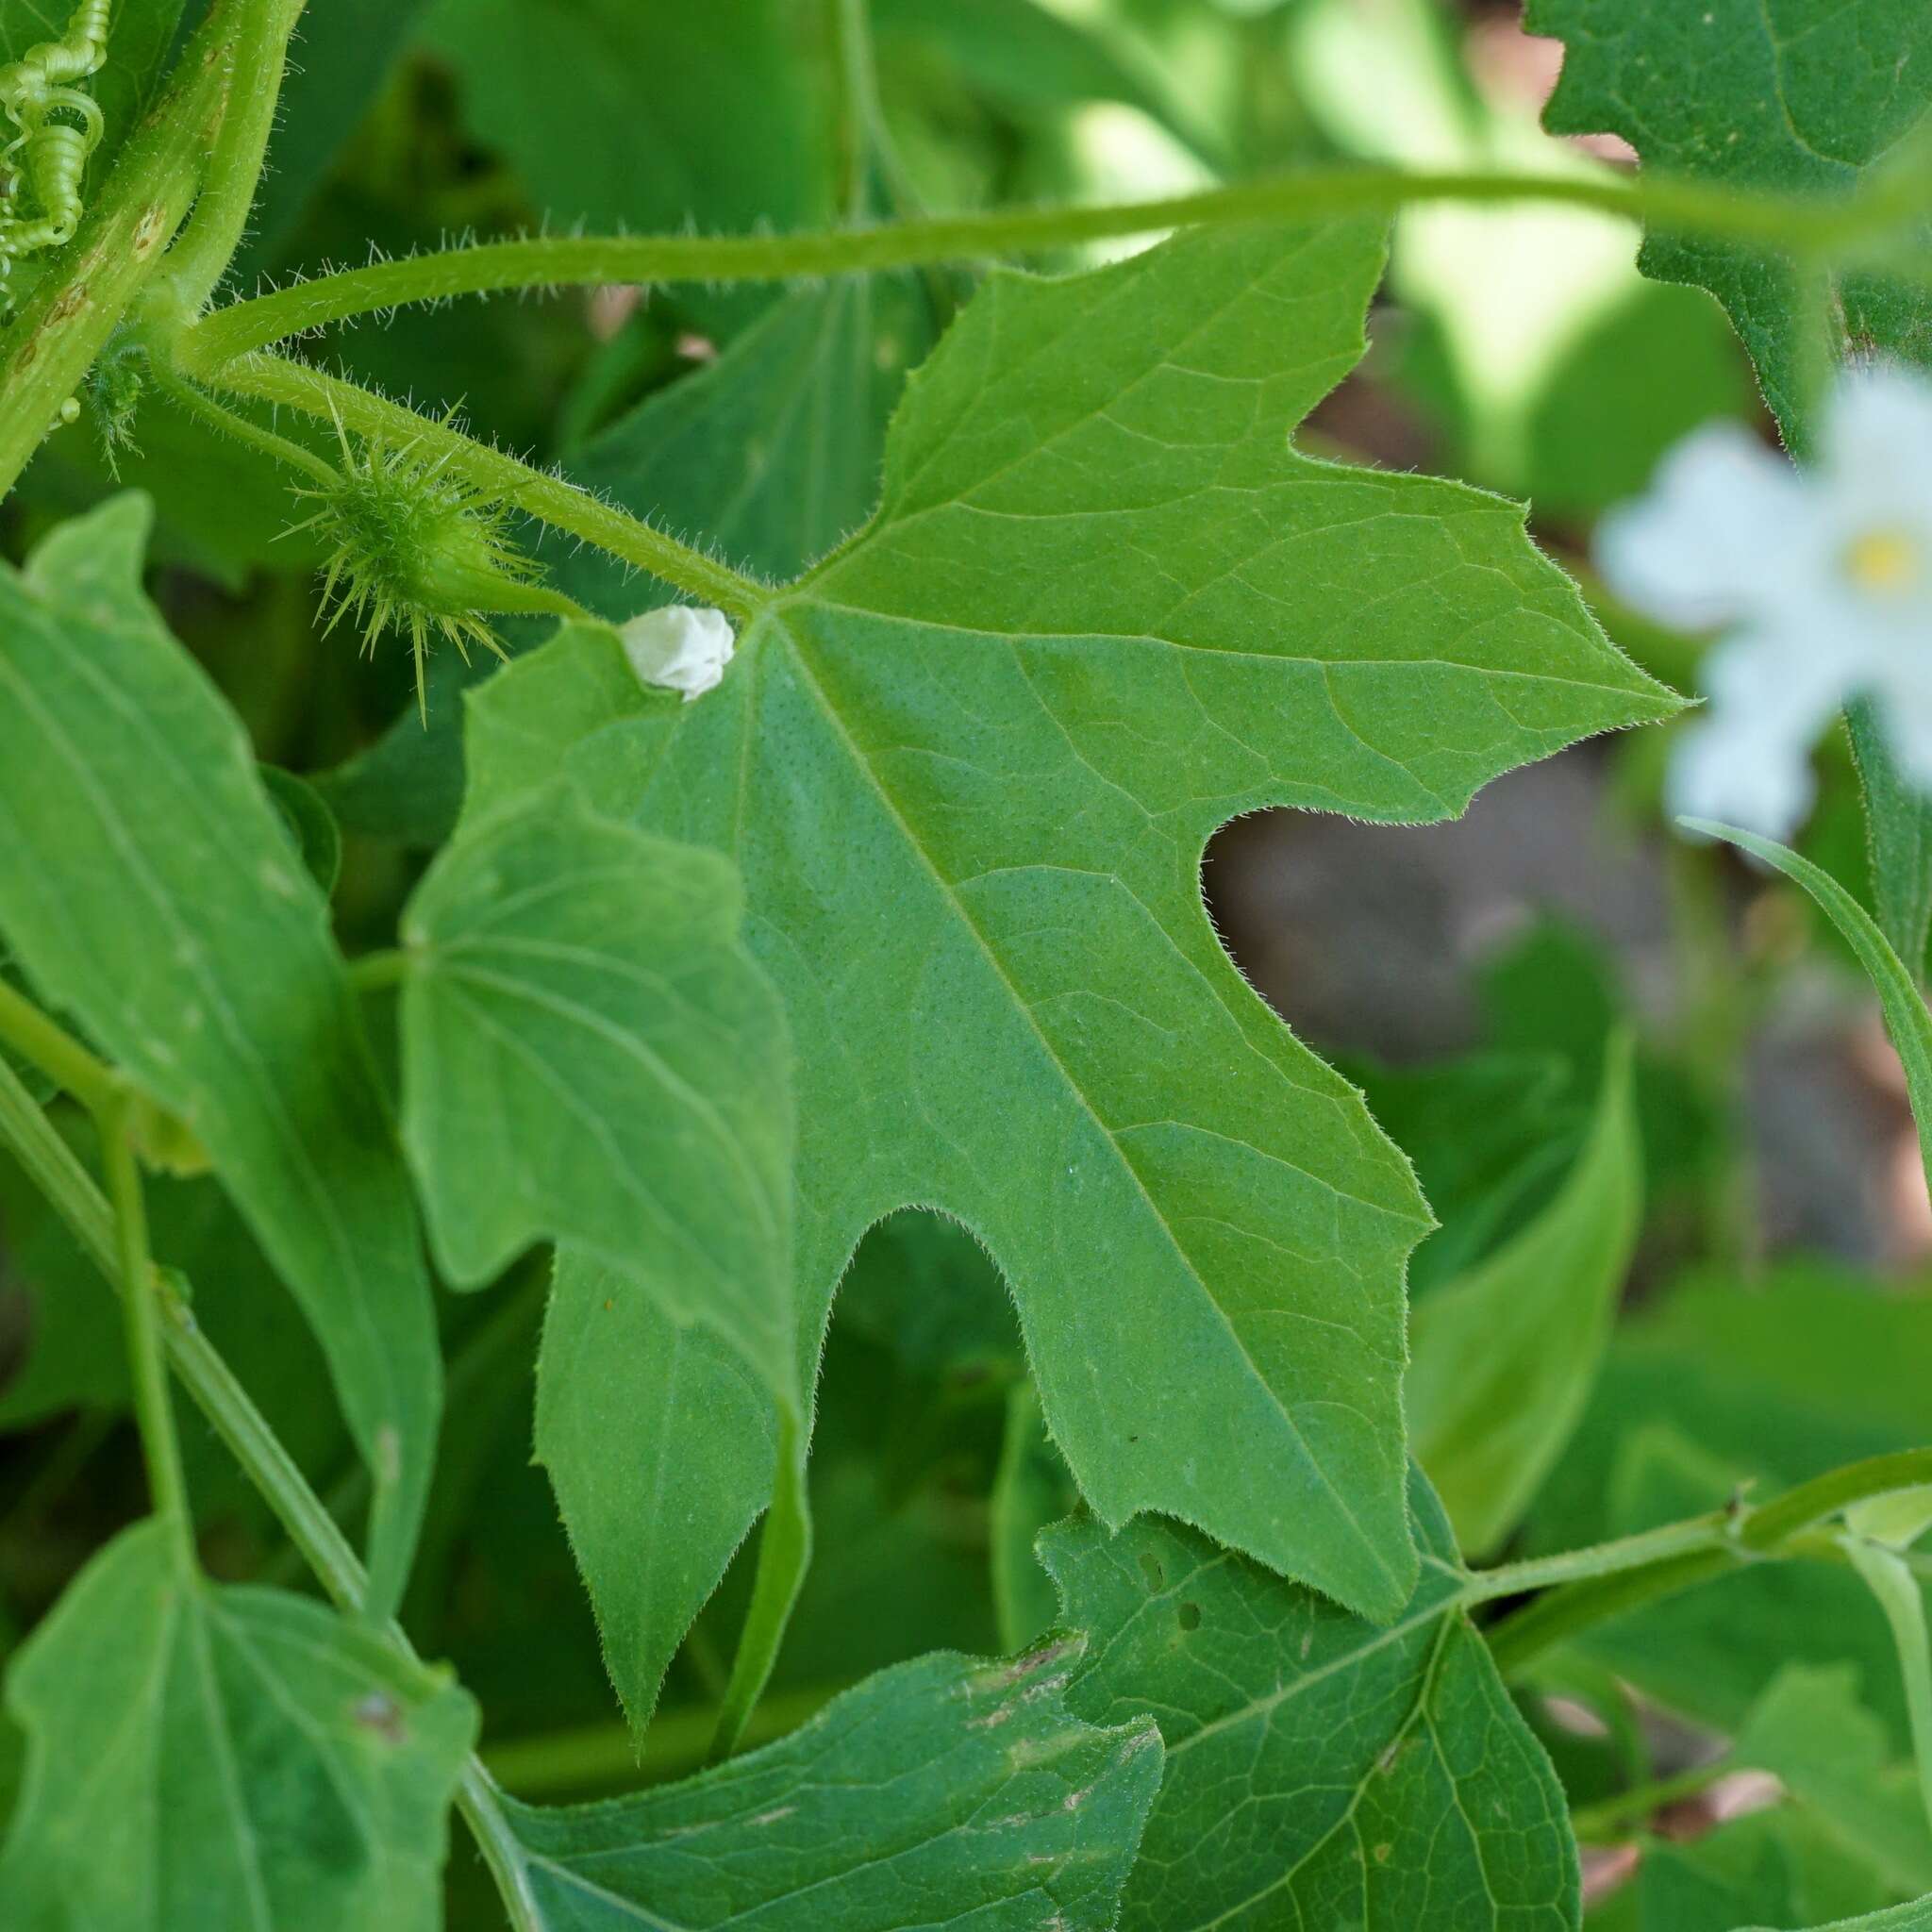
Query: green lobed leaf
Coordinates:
[1791,96]
[1501,1361]
[1319,1771]
[231,1758]
[150,887]
[967,768]
[940,1793]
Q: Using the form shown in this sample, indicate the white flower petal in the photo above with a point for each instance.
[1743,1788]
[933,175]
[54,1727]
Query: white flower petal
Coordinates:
[1716,537]
[1738,780]
[1772,694]
[1876,451]
[679,647]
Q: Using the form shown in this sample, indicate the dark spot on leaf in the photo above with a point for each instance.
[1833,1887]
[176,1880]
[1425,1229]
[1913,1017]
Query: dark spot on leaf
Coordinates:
[1190,1615]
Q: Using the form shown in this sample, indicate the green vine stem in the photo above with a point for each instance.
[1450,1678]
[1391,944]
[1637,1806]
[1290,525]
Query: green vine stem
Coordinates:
[56,1052]
[147,1369]
[501,479]
[48,348]
[256,58]
[195,402]
[1801,226]
[1608,1820]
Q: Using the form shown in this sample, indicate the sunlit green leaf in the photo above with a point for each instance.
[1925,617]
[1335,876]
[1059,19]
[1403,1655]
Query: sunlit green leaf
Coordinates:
[967,769]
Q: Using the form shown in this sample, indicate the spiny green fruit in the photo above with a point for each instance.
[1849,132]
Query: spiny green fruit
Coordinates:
[414,549]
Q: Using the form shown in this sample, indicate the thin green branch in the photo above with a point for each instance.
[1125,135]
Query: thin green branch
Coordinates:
[1676,1540]
[1599,1822]
[1784,225]
[56,1052]
[197,403]
[501,479]
[1779,1521]
[256,59]
[154,1415]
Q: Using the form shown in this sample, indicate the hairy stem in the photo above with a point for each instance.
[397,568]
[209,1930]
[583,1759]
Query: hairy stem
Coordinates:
[500,477]
[1674,1540]
[256,58]
[1782,224]
[229,423]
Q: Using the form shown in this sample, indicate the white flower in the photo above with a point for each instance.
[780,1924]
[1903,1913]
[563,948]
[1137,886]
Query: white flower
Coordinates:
[1821,579]
[679,647]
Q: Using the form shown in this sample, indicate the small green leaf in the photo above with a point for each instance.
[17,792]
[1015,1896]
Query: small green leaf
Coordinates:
[152,890]
[1319,1771]
[313,828]
[205,1757]
[940,1792]
[1811,1732]
[1906,1018]
[1502,1362]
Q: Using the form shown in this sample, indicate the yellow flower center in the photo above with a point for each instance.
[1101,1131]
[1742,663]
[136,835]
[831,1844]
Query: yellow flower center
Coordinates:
[1886,562]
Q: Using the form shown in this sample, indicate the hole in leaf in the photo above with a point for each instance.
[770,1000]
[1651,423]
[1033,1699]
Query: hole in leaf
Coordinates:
[1157,1576]
[1190,1615]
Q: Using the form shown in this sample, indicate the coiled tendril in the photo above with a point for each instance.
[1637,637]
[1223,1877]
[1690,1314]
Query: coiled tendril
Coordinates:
[58,129]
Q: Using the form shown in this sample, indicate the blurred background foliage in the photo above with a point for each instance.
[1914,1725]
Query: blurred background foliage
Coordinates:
[1684,1235]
